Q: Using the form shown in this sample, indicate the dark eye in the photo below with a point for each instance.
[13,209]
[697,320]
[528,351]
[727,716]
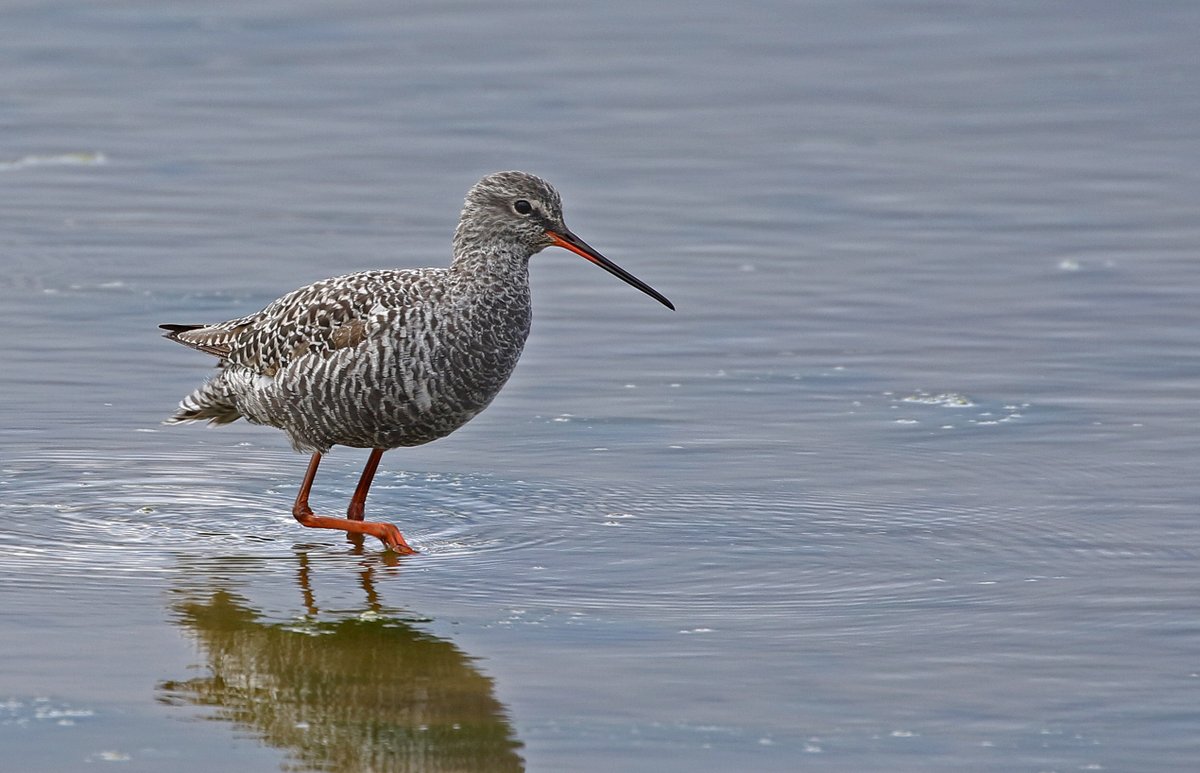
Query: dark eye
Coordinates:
[522,207]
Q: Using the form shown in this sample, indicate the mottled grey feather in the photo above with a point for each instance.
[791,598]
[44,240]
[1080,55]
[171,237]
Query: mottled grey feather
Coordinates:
[381,359]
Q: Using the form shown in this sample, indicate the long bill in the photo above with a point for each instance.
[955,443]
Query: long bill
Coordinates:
[569,241]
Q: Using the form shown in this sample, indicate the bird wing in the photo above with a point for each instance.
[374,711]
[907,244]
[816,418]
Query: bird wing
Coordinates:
[317,319]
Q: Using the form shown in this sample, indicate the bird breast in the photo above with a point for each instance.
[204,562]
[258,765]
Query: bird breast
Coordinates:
[404,376]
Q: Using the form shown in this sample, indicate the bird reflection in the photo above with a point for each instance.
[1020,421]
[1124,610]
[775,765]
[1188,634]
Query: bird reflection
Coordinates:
[368,692]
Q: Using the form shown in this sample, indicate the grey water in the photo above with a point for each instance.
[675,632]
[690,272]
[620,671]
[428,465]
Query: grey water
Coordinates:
[907,483]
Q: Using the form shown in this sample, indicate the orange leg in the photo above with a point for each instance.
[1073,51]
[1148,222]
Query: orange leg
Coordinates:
[358,502]
[385,532]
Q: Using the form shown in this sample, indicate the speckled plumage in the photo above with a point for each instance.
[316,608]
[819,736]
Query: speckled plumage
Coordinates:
[390,358]
[369,360]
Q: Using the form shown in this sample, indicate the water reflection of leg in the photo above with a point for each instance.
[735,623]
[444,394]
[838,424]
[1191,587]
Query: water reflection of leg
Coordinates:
[366,580]
[363,690]
[306,591]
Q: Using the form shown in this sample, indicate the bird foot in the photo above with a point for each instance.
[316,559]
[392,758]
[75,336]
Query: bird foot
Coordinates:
[394,540]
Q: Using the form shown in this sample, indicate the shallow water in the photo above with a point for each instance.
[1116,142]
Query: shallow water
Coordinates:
[907,483]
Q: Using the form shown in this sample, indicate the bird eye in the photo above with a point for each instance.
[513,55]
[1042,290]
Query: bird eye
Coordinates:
[522,207]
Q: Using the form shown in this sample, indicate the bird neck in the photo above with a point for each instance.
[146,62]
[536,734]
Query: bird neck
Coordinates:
[493,278]
[504,263]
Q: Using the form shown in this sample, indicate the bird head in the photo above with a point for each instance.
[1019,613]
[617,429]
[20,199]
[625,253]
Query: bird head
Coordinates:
[523,213]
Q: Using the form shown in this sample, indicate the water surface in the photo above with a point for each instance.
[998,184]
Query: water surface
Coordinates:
[907,483]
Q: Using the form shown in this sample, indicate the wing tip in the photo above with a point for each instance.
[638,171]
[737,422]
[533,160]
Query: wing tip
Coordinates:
[175,330]
[174,333]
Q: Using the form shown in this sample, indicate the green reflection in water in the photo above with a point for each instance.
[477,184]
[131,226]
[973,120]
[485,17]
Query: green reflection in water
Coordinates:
[368,692]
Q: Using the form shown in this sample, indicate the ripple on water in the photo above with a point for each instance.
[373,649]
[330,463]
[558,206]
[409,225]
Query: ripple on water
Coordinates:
[948,410]
[40,710]
[682,553]
[711,556]
[62,159]
[91,516]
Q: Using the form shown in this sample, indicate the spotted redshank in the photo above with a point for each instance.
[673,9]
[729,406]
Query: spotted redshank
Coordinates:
[390,358]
